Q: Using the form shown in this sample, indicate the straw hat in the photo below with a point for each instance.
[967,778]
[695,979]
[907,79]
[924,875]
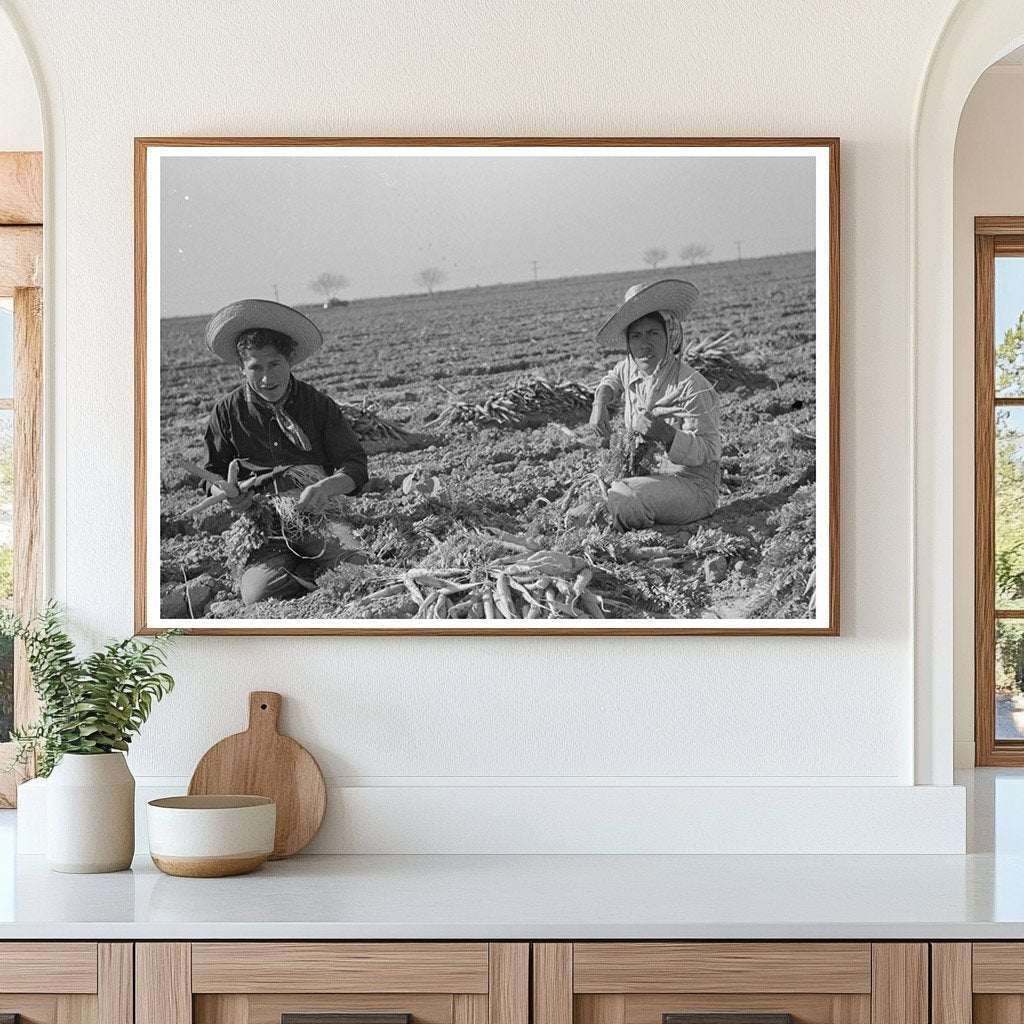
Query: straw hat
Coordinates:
[669,296]
[227,324]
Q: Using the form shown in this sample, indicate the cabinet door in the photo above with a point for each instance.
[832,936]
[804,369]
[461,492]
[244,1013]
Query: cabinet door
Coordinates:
[730,983]
[332,983]
[980,982]
[66,982]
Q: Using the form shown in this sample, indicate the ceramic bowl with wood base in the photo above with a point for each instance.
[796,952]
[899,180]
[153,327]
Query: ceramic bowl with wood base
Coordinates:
[211,836]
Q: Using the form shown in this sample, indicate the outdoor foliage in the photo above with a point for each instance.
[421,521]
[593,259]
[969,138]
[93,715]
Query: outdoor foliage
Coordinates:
[695,252]
[1009,509]
[328,285]
[1010,361]
[89,705]
[430,278]
[654,256]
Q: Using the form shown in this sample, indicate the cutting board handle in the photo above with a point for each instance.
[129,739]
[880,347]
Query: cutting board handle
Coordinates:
[264,710]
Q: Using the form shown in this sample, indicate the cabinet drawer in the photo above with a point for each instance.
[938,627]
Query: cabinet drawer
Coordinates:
[332,983]
[730,983]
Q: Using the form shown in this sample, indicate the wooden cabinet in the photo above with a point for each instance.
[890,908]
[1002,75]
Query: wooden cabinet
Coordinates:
[66,982]
[264,982]
[494,983]
[757,982]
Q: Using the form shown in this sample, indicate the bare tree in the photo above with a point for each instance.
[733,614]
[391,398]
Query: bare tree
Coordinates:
[654,256]
[430,278]
[695,252]
[328,285]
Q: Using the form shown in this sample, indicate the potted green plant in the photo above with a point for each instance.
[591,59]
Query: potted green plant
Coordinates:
[89,710]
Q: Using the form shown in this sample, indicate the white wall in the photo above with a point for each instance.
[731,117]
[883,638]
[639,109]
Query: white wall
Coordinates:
[463,712]
[21,127]
[987,182]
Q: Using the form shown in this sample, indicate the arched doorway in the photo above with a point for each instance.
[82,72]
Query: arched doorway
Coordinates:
[976,34]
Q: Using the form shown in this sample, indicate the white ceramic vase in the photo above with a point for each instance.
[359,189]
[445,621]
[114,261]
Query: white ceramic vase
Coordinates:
[90,814]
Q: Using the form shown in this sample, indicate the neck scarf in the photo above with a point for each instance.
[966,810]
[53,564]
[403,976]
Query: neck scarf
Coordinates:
[288,426]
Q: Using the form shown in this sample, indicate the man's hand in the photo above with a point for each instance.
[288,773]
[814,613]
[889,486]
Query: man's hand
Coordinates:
[314,498]
[238,500]
[653,428]
[600,420]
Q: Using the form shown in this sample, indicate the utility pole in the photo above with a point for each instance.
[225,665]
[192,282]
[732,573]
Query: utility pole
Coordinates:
[277,298]
[536,283]
[739,251]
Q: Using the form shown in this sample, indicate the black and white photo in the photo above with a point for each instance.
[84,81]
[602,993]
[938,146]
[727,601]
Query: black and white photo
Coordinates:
[487,386]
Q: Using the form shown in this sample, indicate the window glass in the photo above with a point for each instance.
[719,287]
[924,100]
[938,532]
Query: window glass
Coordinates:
[1009,679]
[1009,512]
[1009,327]
[6,353]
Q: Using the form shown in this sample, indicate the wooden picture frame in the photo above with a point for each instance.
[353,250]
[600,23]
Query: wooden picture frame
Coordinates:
[750,583]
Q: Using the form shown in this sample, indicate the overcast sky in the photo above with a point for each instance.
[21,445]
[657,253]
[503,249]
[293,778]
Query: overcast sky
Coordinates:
[235,226]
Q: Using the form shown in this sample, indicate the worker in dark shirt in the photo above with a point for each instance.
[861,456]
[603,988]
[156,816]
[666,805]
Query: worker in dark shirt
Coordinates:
[274,420]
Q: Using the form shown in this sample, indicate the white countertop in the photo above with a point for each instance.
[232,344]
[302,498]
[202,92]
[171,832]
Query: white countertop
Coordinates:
[517,897]
[977,896]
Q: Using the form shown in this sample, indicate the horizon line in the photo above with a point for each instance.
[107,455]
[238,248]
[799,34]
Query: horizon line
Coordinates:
[502,284]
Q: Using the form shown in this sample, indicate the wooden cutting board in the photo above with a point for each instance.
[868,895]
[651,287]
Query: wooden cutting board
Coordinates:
[262,762]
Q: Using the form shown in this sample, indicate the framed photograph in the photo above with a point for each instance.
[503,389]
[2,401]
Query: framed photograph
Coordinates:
[498,386]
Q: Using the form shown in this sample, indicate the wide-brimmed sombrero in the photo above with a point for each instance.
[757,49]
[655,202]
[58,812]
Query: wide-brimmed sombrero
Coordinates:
[669,296]
[227,324]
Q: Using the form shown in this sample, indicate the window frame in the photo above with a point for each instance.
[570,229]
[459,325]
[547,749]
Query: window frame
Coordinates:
[993,237]
[21,263]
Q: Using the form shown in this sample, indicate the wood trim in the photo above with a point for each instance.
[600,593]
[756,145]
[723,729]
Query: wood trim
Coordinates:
[830,142]
[951,983]
[999,226]
[28,482]
[997,967]
[11,780]
[21,188]
[1008,245]
[339,967]
[634,967]
[833,378]
[76,1010]
[28,515]
[232,1009]
[552,983]
[115,983]
[140,388]
[144,143]
[984,502]
[899,983]
[163,983]
[508,989]
[469,1009]
[606,1009]
[21,258]
[69,968]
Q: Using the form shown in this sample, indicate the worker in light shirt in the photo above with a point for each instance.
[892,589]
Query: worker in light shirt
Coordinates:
[665,401]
